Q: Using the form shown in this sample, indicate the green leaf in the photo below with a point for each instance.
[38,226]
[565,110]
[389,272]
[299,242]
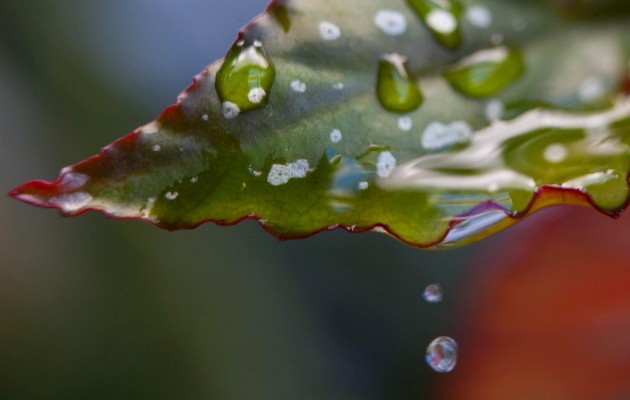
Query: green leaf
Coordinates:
[438,129]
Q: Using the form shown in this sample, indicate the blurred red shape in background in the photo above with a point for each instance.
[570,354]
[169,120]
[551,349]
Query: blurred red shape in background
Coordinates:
[547,313]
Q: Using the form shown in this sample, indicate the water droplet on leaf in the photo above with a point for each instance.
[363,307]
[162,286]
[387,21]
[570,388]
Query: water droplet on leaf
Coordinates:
[442,18]
[396,89]
[433,293]
[486,72]
[244,81]
[442,354]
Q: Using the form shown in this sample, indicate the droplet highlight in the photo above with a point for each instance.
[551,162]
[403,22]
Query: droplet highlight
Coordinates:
[396,89]
[433,293]
[442,354]
[442,18]
[244,81]
[486,72]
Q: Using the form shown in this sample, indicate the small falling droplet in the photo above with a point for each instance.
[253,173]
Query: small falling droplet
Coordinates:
[391,22]
[298,86]
[329,31]
[442,354]
[244,81]
[396,89]
[335,136]
[433,293]
[442,18]
[486,72]
[480,16]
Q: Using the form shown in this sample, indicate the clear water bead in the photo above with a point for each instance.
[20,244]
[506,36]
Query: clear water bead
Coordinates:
[433,293]
[442,354]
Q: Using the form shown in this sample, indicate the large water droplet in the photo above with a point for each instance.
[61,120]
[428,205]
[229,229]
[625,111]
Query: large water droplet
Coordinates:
[433,293]
[486,72]
[442,354]
[244,80]
[442,18]
[396,89]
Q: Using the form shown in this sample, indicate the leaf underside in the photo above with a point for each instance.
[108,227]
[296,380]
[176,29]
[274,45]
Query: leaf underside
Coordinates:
[377,116]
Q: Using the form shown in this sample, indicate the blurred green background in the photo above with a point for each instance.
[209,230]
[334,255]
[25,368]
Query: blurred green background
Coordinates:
[97,309]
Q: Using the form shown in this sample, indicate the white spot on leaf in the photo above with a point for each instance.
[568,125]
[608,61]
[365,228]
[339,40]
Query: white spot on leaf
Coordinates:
[385,164]
[171,195]
[391,22]
[230,110]
[329,31]
[405,123]
[298,86]
[437,135]
[256,95]
[335,136]
[282,173]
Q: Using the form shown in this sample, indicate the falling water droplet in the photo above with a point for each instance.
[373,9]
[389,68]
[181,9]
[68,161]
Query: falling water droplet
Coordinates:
[442,18]
[442,354]
[244,81]
[433,293]
[486,72]
[396,89]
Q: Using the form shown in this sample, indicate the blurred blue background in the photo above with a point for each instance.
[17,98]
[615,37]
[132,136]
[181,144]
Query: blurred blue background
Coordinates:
[97,309]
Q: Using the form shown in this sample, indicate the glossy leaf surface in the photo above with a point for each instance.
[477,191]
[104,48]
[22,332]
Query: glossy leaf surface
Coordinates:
[527,108]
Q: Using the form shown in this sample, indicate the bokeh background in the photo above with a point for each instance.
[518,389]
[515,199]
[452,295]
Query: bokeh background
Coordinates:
[97,309]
